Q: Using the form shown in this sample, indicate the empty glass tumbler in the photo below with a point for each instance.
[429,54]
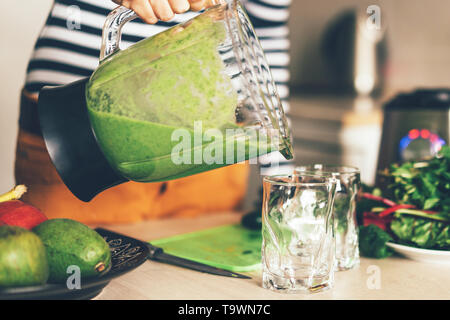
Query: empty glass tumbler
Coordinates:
[298,245]
[348,183]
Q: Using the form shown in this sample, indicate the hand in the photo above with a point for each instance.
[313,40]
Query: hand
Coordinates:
[152,10]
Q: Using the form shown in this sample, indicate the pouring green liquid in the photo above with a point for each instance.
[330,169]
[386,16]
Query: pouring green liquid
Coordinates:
[137,101]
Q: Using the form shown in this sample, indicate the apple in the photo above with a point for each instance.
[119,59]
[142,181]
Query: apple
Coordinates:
[18,213]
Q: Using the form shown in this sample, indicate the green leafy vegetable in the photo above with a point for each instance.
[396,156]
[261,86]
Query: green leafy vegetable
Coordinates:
[425,184]
[414,210]
[421,232]
[372,242]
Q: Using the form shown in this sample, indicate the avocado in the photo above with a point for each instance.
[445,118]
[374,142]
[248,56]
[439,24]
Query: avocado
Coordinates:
[23,260]
[71,243]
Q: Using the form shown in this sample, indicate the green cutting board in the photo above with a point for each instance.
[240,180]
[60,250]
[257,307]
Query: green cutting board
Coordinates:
[230,247]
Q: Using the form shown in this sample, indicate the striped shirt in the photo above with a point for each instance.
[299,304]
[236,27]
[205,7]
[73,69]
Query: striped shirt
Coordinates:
[68,46]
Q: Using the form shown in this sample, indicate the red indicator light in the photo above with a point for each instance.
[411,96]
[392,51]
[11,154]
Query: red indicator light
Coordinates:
[434,137]
[424,133]
[413,134]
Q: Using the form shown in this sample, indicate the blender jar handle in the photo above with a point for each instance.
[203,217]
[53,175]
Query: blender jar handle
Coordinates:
[112,30]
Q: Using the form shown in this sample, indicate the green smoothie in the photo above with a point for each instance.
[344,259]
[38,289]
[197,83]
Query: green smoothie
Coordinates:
[137,99]
[143,151]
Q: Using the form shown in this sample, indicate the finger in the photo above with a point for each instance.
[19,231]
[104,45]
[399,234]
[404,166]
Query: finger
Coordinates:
[123,3]
[212,3]
[162,9]
[179,6]
[143,9]
[197,5]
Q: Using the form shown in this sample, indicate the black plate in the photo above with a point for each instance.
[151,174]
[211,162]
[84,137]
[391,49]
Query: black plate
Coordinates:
[126,254]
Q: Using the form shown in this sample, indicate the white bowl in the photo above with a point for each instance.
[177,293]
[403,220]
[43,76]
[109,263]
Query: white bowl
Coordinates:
[423,255]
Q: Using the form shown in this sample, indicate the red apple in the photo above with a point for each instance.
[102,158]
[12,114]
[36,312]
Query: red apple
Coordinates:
[10,205]
[18,213]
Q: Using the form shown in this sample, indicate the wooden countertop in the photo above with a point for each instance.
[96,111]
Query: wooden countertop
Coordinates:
[391,278]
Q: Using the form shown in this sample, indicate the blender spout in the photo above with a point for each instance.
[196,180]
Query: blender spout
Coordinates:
[287,151]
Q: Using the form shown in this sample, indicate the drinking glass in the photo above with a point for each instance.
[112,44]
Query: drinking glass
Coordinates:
[298,245]
[348,183]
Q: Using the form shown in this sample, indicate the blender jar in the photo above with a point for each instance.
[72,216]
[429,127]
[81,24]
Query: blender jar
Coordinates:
[200,79]
[193,98]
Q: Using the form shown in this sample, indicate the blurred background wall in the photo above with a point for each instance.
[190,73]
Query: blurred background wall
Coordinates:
[417,36]
[333,125]
[19,28]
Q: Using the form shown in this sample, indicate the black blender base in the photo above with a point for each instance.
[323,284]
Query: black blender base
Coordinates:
[71,142]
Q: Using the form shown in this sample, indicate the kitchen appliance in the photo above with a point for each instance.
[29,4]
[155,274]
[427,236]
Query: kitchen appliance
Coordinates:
[415,126]
[355,49]
[196,97]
